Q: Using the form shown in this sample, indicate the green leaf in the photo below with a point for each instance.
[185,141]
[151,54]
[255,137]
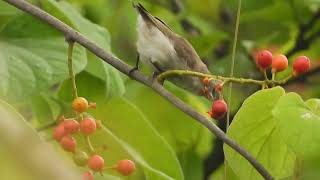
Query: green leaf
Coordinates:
[180,130]
[130,131]
[7,9]
[33,57]
[41,109]
[219,174]
[99,35]
[299,123]
[192,165]
[255,129]
[24,148]
[88,86]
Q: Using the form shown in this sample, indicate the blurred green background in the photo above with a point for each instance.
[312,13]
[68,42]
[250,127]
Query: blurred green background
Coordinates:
[140,125]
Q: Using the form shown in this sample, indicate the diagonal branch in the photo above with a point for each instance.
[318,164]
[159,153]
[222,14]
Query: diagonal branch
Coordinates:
[125,68]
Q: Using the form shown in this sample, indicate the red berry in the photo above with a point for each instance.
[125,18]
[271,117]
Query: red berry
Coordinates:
[219,87]
[219,108]
[87,176]
[279,63]
[96,163]
[68,143]
[71,126]
[80,104]
[88,126]
[301,64]
[264,59]
[59,132]
[125,167]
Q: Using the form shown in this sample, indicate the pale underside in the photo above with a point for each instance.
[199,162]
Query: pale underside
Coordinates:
[158,52]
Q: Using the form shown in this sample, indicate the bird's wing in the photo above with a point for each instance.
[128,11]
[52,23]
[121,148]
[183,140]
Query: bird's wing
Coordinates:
[187,53]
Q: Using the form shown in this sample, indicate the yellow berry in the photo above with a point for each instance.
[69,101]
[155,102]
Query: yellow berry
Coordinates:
[80,104]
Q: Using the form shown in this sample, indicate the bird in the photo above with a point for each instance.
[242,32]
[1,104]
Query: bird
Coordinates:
[161,49]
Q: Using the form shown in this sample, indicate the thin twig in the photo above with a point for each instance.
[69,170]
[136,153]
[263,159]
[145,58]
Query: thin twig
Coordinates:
[171,73]
[125,68]
[234,48]
[70,67]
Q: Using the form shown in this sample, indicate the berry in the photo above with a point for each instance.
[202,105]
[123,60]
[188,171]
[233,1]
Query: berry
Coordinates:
[125,167]
[80,104]
[301,65]
[279,63]
[219,87]
[68,143]
[88,126]
[264,59]
[206,81]
[93,105]
[71,126]
[219,108]
[59,132]
[96,163]
[87,176]
[80,158]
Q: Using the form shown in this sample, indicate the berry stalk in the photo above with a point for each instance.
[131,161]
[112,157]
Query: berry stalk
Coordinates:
[70,67]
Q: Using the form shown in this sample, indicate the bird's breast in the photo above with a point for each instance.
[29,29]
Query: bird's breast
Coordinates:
[154,46]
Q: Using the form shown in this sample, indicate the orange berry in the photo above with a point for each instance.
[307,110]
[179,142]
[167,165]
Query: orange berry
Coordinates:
[96,163]
[88,126]
[59,132]
[279,63]
[71,126]
[80,104]
[68,143]
[93,105]
[125,167]
[206,81]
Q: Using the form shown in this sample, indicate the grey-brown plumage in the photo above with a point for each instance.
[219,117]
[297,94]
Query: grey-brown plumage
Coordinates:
[162,49]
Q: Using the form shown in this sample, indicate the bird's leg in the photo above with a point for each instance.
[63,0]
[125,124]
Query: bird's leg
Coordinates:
[137,66]
[156,72]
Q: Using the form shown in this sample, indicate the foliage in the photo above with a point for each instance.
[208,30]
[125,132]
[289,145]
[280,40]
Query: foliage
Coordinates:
[277,127]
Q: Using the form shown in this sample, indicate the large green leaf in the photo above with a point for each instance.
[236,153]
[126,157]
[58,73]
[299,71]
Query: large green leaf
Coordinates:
[25,159]
[33,57]
[180,130]
[299,123]
[65,12]
[255,129]
[126,128]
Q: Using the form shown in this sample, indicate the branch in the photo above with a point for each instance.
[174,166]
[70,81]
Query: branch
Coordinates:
[136,75]
[171,73]
[302,42]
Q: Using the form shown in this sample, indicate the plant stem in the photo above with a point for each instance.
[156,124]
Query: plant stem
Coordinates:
[170,73]
[90,147]
[265,75]
[234,48]
[70,67]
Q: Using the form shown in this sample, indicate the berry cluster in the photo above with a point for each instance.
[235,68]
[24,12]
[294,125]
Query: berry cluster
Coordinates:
[278,63]
[219,106]
[86,126]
